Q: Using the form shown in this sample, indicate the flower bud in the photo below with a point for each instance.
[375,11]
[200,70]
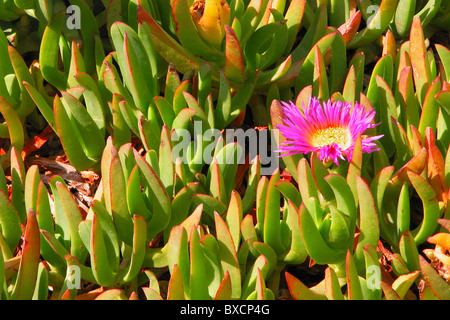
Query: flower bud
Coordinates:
[210,18]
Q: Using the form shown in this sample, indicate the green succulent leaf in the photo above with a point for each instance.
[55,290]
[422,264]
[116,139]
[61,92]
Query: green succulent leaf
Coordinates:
[102,269]
[378,23]
[29,261]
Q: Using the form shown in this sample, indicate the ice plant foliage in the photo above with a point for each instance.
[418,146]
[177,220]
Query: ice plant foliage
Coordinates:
[184,217]
[330,129]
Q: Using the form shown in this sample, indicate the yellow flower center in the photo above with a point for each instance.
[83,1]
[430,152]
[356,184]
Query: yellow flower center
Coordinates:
[326,136]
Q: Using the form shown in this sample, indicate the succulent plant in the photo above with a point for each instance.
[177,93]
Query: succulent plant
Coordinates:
[151,96]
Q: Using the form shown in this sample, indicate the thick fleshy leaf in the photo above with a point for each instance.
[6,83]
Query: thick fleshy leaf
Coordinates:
[42,105]
[355,167]
[278,42]
[198,281]
[249,284]
[71,144]
[319,172]
[308,187]
[276,116]
[306,72]
[368,221]
[402,284]
[297,252]
[210,204]
[122,134]
[299,291]
[408,101]
[228,256]
[224,292]
[178,254]
[443,121]
[132,60]
[419,59]
[435,166]
[240,100]
[315,34]
[251,18]
[389,293]
[9,222]
[100,261]
[22,74]
[316,246]
[166,165]
[18,178]
[249,234]
[294,16]
[93,100]
[250,193]
[430,208]
[114,186]
[41,289]
[74,217]
[353,284]
[386,109]
[444,54]
[384,69]
[349,90]
[112,294]
[15,128]
[234,217]
[430,107]
[373,272]
[213,266]
[376,26]
[438,285]
[344,198]
[112,241]
[268,77]
[272,232]
[167,47]
[429,11]
[49,51]
[332,286]
[160,199]
[84,126]
[404,15]
[66,292]
[320,79]
[175,288]
[403,210]
[76,64]
[216,183]
[29,261]
[53,252]
[165,110]
[337,69]
[348,29]
[88,33]
[289,191]
[409,252]
[416,165]
[179,205]
[234,60]
[139,245]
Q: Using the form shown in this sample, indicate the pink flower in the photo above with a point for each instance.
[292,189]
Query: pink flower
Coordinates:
[330,129]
